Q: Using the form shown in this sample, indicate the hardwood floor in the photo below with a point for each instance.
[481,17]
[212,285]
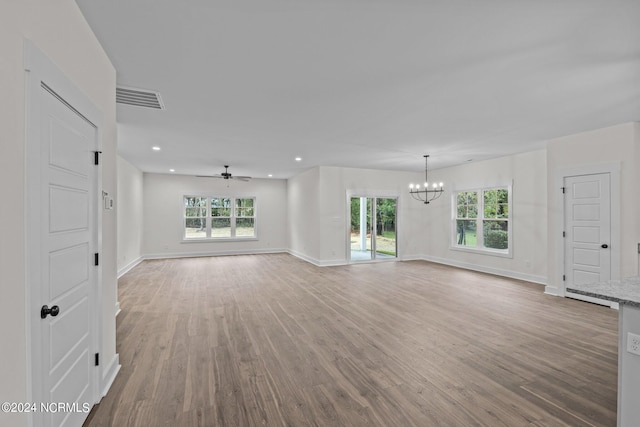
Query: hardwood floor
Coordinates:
[272,340]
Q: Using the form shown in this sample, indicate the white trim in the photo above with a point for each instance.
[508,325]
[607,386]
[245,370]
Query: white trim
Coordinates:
[372,194]
[39,70]
[208,218]
[552,290]
[508,253]
[412,258]
[109,374]
[316,262]
[118,310]
[483,251]
[559,176]
[593,300]
[220,239]
[124,270]
[210,253]
[380,194]
[542,280]
[334,263]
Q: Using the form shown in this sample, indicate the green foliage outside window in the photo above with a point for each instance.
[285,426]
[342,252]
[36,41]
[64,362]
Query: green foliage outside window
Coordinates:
[489,211]
[218,217]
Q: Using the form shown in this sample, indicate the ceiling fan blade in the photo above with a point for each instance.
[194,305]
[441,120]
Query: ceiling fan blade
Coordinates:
[241,178]
[208,176]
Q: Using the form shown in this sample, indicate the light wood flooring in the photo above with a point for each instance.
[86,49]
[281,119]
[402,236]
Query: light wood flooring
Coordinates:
[270,340]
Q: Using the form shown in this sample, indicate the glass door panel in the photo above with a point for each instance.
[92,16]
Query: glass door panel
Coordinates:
[385,237]
[371,216]
[360,232]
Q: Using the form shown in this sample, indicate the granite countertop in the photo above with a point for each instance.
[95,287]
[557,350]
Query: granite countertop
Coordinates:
[625,291]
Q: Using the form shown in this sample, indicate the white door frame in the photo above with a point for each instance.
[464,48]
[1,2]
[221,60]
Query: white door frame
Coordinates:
[382,194]
[613,169]
[38,70]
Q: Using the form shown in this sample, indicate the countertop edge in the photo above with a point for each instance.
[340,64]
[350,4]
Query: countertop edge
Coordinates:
[603,296]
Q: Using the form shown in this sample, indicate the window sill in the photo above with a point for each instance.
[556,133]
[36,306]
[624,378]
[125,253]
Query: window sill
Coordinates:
[220,240]
[483,251]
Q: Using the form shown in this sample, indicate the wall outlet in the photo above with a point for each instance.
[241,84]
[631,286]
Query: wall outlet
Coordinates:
[633,343]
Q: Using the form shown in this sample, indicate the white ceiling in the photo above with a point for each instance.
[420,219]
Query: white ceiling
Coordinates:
[364,83]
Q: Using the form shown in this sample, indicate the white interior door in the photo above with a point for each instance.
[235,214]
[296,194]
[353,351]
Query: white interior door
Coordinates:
[587,229]
[64,211]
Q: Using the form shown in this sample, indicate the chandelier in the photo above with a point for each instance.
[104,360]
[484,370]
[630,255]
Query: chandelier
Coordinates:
[426,194]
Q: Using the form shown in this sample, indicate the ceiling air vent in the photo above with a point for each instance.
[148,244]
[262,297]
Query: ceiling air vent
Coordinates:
[139,98]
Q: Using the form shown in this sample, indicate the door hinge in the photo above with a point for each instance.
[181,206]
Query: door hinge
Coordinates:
[96,259]
[564,278]
[96,157]
[563,189]
[97,359]
[564,234]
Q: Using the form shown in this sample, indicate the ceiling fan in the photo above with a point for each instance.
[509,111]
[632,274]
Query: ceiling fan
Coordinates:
[226,175]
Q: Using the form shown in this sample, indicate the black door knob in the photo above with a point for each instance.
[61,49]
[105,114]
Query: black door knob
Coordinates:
[604,246]
[45,311]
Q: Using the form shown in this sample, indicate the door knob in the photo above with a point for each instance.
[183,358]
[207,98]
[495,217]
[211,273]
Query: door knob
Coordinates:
[45,311]
[604,246]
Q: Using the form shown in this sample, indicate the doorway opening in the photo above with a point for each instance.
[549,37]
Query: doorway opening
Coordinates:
[372,231]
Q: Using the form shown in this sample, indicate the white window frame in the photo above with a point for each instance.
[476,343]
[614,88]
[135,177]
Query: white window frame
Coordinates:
[209,217]
[453,245]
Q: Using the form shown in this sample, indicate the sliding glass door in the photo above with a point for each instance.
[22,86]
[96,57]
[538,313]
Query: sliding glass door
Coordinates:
[372,235]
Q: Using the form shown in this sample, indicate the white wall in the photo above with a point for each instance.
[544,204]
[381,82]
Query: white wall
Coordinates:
[337,182]
[319,216]
[528,174]
[130,211]
[619,145]
[303,229]
[59,30]
[163,213]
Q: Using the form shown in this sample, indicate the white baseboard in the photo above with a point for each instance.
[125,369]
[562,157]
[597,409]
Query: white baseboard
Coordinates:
[124,270]
[304,257]
[318,263]
[330,263]
[109,374]
[412,258]
[497,271]
[552,290]
[593,300]
[206,254]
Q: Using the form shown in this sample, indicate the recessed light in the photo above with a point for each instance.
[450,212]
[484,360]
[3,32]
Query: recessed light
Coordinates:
[270,175]
[155,148]
[172,170]
[298,159]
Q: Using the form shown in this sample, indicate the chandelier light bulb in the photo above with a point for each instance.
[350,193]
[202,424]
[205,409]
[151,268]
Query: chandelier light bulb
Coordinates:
[426,195]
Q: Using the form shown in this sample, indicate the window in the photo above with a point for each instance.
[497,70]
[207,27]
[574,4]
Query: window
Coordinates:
[211,218]
[481,220]
[195,217]
[245,219]
[220,217]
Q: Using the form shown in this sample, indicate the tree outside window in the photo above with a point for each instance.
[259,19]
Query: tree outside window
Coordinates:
[467,213]
[482,220]
[245,219]
[218,217]
[495,225]
[195,221]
